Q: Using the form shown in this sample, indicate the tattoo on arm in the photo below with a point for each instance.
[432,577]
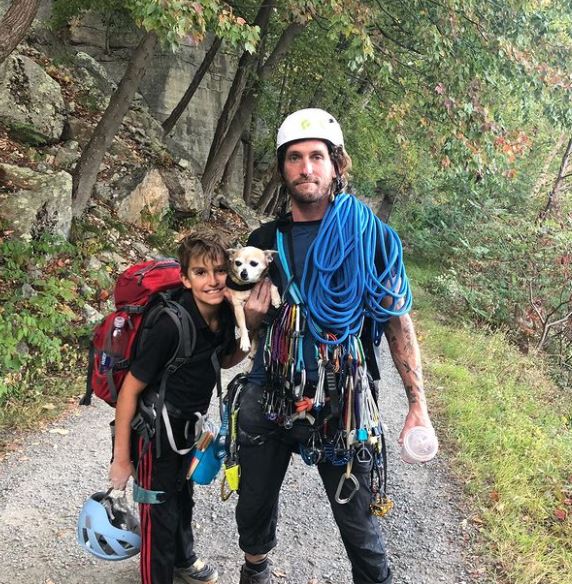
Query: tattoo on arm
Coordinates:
[405,352]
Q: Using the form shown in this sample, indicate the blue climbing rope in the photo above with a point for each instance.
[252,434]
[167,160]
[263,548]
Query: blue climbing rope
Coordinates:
[342,282]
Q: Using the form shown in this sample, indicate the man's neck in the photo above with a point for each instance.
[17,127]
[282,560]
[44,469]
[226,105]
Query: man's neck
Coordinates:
[308,212]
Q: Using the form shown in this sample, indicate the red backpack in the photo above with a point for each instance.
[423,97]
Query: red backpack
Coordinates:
[142,294]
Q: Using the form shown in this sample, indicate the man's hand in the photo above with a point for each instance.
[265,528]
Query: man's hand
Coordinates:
[415,417]
[257,304]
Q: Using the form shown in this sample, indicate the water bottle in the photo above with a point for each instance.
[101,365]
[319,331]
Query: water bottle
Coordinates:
[419,445]
[117,345]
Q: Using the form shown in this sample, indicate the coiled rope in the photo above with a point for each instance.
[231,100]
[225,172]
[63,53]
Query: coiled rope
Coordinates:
[341,282]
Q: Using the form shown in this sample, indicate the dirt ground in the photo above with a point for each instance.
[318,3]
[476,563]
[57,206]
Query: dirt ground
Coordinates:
[44,483]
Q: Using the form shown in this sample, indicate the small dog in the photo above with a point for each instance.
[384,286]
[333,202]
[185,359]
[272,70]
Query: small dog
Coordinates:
[247,266]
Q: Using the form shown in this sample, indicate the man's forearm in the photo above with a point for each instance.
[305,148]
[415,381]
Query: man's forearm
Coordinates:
[405,352]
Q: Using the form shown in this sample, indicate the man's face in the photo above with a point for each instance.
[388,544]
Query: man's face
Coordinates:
[308,172]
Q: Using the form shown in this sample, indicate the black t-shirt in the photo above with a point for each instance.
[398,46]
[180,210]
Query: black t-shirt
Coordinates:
[190,388]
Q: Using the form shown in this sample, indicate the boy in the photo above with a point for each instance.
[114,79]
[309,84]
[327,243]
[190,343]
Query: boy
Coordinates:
[166,532]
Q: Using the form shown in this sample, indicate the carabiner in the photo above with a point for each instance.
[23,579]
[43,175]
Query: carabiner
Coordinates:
[351,477]
[363,454]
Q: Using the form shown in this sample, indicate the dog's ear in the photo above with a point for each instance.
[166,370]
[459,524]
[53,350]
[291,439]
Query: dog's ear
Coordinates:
[231,251]
[269,254]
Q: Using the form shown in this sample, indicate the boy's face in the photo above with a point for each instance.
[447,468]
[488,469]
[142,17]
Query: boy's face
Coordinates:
[206,280]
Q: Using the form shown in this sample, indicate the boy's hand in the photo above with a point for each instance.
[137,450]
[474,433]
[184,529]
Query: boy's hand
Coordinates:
[257,304]
[120,473]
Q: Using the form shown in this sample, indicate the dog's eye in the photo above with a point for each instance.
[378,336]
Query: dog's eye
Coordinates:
[238,263]
[253,264]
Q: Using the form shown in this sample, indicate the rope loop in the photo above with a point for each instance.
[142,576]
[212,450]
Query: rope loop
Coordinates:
[342,282]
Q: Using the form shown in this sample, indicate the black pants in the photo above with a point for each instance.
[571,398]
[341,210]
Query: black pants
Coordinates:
[265,451]
[166,532]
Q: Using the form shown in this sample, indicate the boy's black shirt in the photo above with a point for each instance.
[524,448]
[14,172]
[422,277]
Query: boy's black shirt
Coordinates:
[190,388]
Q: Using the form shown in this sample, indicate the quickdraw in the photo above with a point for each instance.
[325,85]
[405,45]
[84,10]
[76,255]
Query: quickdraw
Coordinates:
[229,430]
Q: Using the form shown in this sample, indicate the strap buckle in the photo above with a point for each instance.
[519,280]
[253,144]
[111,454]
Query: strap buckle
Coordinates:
[145,496]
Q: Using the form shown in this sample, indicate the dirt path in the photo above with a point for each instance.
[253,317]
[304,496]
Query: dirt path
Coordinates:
[43,485]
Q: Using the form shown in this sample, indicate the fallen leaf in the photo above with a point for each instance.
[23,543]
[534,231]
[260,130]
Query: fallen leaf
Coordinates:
[103,295]
[61,431]
[560,514]
[48,407]
[495,496]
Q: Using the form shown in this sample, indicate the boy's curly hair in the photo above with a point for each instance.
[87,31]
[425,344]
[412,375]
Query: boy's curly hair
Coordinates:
[204,245]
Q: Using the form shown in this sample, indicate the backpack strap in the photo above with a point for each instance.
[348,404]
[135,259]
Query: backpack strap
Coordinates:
[186,345]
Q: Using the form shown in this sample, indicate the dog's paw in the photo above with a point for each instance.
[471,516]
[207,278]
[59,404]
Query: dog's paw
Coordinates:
[245,344]
[275,297]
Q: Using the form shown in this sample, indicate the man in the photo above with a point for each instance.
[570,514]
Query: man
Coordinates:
[308,390]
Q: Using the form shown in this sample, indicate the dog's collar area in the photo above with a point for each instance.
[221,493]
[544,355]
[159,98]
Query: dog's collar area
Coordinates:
[233,285]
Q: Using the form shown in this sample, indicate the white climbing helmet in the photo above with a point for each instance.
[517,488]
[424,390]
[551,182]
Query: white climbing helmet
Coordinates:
[310,124]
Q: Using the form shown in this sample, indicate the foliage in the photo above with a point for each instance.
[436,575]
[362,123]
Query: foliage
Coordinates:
[500,266]
[431,91]
[174,21]
[508,430]
[112,11]
[39,305]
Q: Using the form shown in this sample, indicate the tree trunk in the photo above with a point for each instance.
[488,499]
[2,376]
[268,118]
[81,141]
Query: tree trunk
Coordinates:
[269,191]
[218,159]
[246,66]
[85,173]
[249,161]
[173,118]
[553,195]
[386,206]
[15,23]
[543,177]
[279,203]
[228,168]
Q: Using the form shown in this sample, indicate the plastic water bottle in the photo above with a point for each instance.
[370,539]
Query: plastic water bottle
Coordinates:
[117,346]
[118,338]
[420,444]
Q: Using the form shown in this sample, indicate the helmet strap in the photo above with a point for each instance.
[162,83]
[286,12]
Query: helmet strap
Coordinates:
[338,182]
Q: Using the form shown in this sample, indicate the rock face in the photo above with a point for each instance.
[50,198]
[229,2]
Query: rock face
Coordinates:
[165,82]
[185,192]
[149,193]
[31,102]
[34,203]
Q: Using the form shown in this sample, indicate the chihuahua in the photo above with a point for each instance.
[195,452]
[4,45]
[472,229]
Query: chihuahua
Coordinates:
[247,266]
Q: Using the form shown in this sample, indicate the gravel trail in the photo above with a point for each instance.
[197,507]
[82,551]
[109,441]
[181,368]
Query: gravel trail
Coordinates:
[43,485]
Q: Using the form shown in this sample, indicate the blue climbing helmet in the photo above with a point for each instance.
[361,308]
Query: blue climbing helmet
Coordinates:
[107,528]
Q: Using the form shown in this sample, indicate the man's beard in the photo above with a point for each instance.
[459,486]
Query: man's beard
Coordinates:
[308,198]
